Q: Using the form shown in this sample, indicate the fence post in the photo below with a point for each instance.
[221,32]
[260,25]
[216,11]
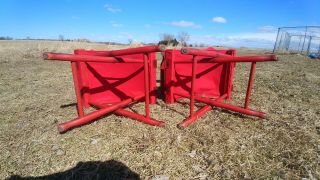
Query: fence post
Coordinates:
[310,40]
[275,44]
[287,41]
[299,44]
[304,40]
[319,51]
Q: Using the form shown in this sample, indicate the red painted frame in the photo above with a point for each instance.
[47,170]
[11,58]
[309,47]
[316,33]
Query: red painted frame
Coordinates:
[215,79]
[193,65]
[113,80]
[112,83]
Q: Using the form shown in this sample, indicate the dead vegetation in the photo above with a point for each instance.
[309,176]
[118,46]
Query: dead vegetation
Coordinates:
[37,94]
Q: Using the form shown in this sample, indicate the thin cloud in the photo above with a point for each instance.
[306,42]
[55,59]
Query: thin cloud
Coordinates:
[115,24]
[219,19]
[147,26]
[267,29]
[259,36]
[75,17]
[249,39]
[112,9]
[184,23]
[125,35]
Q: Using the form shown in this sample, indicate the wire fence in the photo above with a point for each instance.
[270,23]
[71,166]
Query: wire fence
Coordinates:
[303,40]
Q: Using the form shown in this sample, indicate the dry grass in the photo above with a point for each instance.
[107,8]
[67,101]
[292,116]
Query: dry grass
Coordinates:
[221,145]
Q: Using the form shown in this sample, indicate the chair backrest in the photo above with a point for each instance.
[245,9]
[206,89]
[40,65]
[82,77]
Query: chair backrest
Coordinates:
[108,83]
[213,79]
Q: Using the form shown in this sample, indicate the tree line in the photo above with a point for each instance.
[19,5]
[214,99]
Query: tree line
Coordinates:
[181,38]
[5,38]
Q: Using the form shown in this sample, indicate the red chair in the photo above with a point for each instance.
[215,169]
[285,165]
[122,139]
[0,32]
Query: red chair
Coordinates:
[213,79]
[205,76]
[112,80]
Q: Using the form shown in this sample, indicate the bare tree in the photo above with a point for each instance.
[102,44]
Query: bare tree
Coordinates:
[168,40]
[130,41]
[183,38]
[166,37]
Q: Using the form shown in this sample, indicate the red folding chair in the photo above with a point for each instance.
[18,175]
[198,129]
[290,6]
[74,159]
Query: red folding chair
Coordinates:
[205,76]
[111,81]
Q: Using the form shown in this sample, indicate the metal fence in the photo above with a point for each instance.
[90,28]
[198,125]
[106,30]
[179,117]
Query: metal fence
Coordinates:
[304,40]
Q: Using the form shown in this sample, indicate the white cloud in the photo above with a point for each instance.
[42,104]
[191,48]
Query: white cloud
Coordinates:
[219,19]
[267,29]
[184,23]
[112,9]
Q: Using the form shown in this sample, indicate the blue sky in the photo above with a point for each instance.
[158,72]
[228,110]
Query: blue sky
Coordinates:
[232,23]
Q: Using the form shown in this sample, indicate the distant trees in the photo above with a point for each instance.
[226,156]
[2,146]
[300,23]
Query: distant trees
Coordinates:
[61,37]
[172,42]
[183,38]
[80,40]
[5,38]
[166,37]
[130,41]
[170,39]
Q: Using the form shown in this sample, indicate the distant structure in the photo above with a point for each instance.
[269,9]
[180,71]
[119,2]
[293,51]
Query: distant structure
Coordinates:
[302,39]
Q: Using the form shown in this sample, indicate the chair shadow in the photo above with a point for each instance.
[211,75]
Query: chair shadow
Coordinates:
[112,169]
[239,115]
[67,105]
[175,109]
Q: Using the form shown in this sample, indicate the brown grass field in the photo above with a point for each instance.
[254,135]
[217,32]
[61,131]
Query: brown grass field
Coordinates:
[36,95]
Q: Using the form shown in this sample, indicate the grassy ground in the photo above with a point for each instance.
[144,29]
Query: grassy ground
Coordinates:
[35,95]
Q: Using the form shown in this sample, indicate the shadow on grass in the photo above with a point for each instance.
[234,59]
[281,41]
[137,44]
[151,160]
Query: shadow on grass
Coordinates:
[111,169]
[68,105]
